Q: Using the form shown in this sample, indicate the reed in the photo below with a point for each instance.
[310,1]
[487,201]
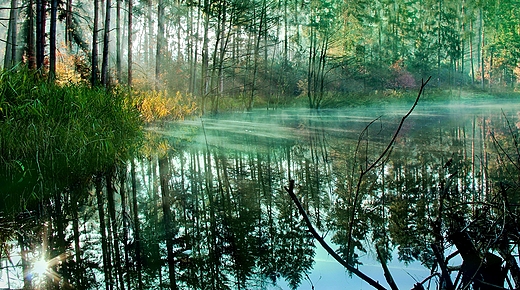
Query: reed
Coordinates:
[53,137]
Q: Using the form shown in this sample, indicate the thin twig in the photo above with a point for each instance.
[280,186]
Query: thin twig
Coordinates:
[378,160]
[391,143]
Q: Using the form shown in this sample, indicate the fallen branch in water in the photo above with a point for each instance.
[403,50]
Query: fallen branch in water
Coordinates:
[368,168]
[445,273]
[290,191]
[388,275]
[384,154]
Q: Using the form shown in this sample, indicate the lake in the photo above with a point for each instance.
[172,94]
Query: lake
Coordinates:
[206,204]
[228,174]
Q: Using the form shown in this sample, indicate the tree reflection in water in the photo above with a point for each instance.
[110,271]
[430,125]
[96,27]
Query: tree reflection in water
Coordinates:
[444,176]
[207,208]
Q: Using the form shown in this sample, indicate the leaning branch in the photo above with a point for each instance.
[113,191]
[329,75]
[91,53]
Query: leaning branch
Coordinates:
[313,231]
[378,160]
[391,143]
[388,275]
[324,244]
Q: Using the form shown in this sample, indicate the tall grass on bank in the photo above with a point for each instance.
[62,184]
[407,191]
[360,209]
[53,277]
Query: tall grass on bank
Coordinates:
[54,137]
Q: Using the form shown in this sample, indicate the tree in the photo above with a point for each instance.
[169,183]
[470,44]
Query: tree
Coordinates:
[322,27]
[130,40]
[94,59]
[40,32]
[68,24]
[106,42]
[504,41]
[259,30]
[161,43]
[118,40]
[29,39]
[11,44]
[52,41]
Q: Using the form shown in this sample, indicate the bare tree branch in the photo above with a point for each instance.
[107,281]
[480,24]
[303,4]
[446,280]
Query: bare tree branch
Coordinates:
[324,244]
[388,275]
[337,257]
[378,160]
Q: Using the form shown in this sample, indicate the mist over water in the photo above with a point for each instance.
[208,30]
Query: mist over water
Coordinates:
[251,156]
[232,224]
[285,126]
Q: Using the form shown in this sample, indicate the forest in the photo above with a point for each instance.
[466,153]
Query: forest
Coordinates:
[238,53]
[121,168]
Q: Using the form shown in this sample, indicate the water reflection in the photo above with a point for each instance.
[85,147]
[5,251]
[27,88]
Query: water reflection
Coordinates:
[207,208]
[242,231]
[230,214]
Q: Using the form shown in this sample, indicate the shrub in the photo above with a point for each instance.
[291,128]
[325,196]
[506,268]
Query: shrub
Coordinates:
[160,106]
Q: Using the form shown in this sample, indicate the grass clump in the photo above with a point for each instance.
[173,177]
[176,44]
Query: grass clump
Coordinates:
[54,137]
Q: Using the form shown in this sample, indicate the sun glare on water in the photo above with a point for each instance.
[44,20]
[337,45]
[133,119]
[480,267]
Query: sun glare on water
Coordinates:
[42,270]
[40,267]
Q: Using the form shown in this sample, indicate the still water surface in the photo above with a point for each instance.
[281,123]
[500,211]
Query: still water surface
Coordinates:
[211,192]
[241,230]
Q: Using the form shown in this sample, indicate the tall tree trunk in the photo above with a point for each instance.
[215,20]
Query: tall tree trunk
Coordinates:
[107,263]
[149,37]
[106,40]
[256,56]
[218,51]
[10,49]
[471,58]
[118,40]
[490,81]
[130,35]
[462,44]
[68,24]
[167,217]
[285,35]
[439,41]
[311,71]
[481,47]
[40,32]
[321,72]
[204,88]
[193,46]
[137,228]
[31,57]
[95,44]
[160,43]
[52,40]
[180,31]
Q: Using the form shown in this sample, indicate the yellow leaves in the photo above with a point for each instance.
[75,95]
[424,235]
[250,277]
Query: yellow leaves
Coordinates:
[302,87]
[161,106]
[156,145]
[517,74]
[162,148]
[66,69]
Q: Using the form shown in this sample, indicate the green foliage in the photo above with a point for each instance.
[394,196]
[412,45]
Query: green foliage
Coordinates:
[52,137]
